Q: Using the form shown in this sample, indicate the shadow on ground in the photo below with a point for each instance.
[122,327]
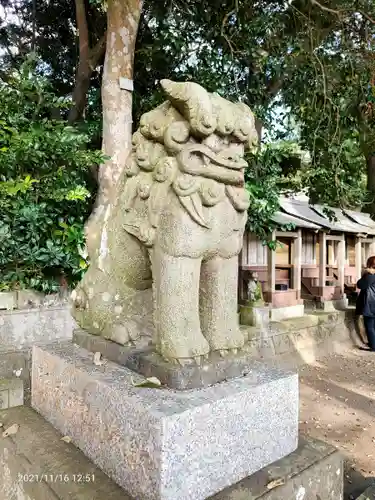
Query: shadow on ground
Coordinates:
[337,396]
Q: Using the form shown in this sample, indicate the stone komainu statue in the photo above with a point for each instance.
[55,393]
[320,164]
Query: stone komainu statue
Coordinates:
[168,264]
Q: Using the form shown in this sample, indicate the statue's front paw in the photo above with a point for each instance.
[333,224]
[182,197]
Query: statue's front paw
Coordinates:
[119,333]
[228,343]
[184,352]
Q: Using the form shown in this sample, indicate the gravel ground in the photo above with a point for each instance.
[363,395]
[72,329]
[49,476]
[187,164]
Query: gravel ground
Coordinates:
[337,405]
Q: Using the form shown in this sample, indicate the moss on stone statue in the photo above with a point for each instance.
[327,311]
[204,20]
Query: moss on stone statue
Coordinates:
[256,296]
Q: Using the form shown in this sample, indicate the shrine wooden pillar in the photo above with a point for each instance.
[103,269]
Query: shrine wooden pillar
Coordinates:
[358,258]
[341,263]
[322,259]
[271,269]
[297,263]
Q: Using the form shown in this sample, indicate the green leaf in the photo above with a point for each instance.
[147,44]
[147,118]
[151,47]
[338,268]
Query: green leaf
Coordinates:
[152,382]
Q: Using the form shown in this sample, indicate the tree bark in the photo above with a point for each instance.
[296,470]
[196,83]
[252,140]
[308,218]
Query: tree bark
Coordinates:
[88,60]
[83,71]
[259,129]
[79,97]
[370,161]
[122,26]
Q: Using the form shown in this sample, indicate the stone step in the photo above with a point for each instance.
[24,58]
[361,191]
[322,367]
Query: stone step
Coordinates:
[16,364]
[36,465]
[369,494]
[14,361]
[11,392]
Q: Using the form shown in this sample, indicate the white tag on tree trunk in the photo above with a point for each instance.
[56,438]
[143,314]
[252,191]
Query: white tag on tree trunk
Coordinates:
[126,84]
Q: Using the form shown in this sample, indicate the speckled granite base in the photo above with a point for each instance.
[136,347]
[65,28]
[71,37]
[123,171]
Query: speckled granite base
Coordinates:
[161,444]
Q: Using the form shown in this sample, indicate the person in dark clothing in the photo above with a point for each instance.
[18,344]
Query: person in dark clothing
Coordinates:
[366,301]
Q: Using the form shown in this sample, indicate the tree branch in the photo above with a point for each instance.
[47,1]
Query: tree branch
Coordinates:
[97,52]
[327,9]
[84,71]
[340,12]
[369,18]
[222,32]
[83,30]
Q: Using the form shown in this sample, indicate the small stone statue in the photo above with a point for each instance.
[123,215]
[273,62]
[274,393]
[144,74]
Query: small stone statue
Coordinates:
[254,289]
[167,267]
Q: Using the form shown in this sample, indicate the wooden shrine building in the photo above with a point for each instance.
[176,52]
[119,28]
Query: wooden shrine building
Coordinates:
[321,259]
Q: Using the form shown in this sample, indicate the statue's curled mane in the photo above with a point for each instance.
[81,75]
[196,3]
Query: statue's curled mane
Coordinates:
[192,144]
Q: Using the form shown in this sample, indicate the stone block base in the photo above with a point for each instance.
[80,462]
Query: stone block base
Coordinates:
[212,371]
[11,393]
[369,494]
[281,313]
[25,328]
[8,300]
[334,305]
[111,350]
[160,444]
[313,472]
[14,363]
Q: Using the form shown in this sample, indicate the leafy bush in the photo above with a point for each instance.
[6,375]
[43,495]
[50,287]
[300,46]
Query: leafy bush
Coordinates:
[46,189]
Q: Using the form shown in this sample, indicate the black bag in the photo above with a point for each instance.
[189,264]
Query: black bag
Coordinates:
[360,303]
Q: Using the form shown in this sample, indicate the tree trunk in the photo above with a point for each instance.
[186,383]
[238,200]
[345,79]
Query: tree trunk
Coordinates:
[259,129]
[83,71]
[122,25]
[88,60]
[370,161]
[123,19]
[79,96]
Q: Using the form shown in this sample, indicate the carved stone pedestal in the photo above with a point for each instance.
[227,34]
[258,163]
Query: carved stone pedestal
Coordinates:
[149,363]
[163,444]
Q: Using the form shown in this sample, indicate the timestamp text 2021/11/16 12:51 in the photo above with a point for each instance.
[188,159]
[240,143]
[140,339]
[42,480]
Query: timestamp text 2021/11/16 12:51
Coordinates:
[56,478]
